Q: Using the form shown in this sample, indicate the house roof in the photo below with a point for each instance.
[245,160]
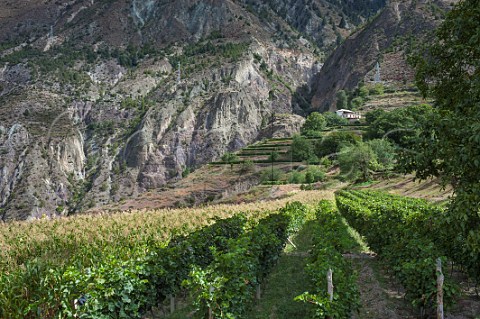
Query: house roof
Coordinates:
[345,111]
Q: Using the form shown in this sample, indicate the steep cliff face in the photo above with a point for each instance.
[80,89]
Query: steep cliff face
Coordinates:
[386,41]
[325,22]
[101,100]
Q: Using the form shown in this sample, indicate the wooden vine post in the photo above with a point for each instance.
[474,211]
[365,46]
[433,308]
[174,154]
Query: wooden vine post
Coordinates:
[258,294]
[172,304]
[210,311]
[440,279]
[330,284]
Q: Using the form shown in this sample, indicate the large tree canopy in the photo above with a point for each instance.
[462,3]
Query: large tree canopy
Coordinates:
[448,70]
[400,126]
[314,124]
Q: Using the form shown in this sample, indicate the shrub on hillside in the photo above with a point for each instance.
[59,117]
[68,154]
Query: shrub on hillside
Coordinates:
[271,174]
[333,119]
[315,122]
[330,144]
[301,149]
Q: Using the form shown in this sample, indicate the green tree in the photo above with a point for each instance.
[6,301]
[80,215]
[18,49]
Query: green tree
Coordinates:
[377,89]
[331,143]
[230,158]
[342,100]
[317,173]
[315,122]
[301,149]
[357,162]
[401,125]
[271,175]
[371,116]
[309,178]
[357,102]
[332,119]
[448,70]
[362,91]
[384,151]
[296,177]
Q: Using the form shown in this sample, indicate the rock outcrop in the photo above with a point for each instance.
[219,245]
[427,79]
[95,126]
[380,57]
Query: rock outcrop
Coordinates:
[384,40]
[93,109]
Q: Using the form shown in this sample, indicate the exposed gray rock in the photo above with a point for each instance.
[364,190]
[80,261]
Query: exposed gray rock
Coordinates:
[91,131]
[359,54]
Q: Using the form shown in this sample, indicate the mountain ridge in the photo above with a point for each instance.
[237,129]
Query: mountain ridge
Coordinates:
[388,39]
[93,110]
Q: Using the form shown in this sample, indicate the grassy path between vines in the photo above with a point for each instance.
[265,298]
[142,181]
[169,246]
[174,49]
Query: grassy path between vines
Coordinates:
[380,296]
[287,281]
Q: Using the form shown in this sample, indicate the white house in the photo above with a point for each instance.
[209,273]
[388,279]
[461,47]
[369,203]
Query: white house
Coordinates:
[349,115]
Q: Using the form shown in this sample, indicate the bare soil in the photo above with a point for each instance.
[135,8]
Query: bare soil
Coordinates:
[468,304]
[381,296]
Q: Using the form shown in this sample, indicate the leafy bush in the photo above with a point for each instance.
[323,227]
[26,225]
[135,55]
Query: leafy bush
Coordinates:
[317,174]
[357,102]
[377,89]
[333,119]
[384,151]
[247,167]
[230,158]
[227,286]
[271,174]
[315,122]
[357,162]
[301,149]
[331,143]
[296,177]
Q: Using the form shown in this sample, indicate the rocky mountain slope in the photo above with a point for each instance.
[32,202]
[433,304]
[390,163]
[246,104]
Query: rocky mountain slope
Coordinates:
[102,100]
[387,40]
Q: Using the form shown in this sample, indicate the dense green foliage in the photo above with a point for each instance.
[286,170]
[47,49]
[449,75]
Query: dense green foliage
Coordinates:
[312,174]
[314,124]
[227,285]
[448,70]
[331,143]
[126,280]
[409,234]
[247,167]
[333,119]
[331,239]
[357,161]
[385,153]
[113,286]
[271,175]
[401,125]
[230,158]
[301,149]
